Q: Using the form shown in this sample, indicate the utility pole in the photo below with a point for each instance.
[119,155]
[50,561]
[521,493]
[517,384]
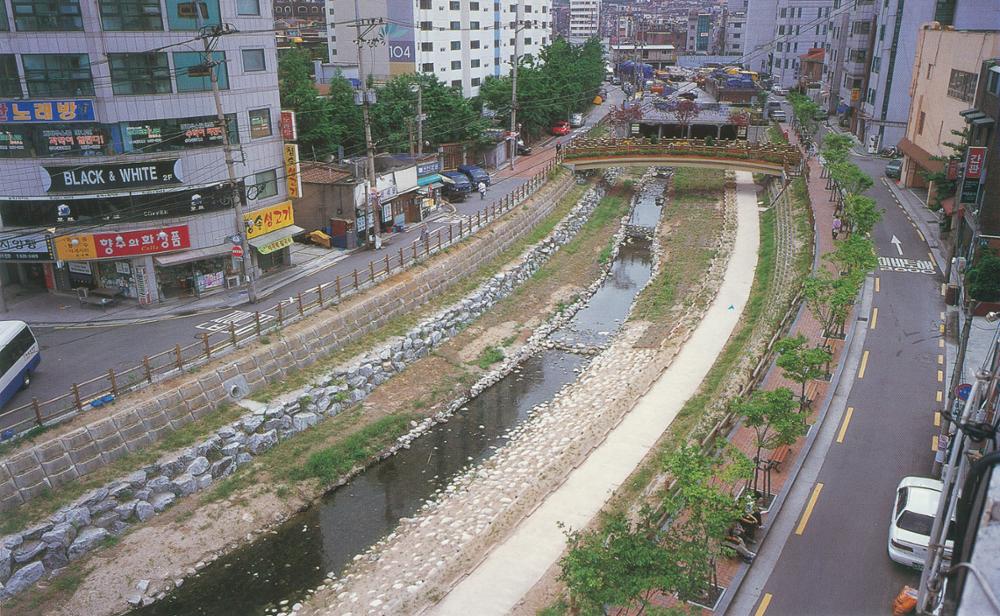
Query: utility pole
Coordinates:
[513,87]
[418,89]
[209,36]
[373,217]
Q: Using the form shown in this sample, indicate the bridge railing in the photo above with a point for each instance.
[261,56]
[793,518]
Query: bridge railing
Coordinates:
[780,154]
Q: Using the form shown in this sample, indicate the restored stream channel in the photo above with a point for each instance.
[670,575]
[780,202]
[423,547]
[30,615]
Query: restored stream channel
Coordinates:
[277,570]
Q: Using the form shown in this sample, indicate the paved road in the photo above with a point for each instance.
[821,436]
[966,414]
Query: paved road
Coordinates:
[75,355]
[838,564]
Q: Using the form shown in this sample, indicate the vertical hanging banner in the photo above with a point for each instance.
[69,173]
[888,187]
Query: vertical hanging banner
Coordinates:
[400,38]
[289,129]
[292,171]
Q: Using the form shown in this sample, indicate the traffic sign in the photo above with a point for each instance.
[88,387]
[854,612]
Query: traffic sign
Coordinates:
[237,252]
[962,391]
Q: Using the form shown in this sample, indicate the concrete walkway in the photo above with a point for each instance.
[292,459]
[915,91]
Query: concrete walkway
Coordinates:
[515,565]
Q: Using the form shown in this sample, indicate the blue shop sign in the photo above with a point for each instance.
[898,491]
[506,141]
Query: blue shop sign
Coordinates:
[76,110]
[429,167]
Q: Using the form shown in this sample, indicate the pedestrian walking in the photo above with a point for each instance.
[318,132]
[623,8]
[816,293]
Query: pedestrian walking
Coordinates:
[837,225]
[482,190]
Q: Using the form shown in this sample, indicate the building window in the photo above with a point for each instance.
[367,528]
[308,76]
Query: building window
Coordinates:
[58,74]
[962,85]
[253,61]
[473,25]
[131,15]
[456,65]
[193,75]
[781,30]
[10,82]
[427,67]
[454,5]
[527,41]
[260,123]
[38,15]
[426,46]
[920,123]
[265,184]
[474,44]
[3,17]
[425,4]
[456,45]
[783,13]
[781,47]
[140,73]
[426,26]
[455,25]
[993,82]
[457,83]
[876,64]
[474,63]
[473,6]
[861,28]
[181,15]
[736,35]
[251,7]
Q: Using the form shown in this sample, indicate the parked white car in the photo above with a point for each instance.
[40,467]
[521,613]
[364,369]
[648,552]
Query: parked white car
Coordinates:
[912,519]
[576,120]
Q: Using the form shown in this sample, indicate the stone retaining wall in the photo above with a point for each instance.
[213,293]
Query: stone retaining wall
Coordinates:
[60,460]
[82,525]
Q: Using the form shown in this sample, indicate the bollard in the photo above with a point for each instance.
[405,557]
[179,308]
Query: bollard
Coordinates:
[281,315]
[356,279]
[38,410]
[301,311]
[232,333]
[114,383]
[402,263]
[386,264]
[180,358]
[149,371]
[415,249]
[371,271]
[208,347]
[337,284]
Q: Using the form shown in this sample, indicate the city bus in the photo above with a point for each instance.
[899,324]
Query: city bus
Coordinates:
[18,358]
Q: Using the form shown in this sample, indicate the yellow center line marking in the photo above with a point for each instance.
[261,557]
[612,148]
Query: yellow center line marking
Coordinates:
[931,257]
[937,419]
[864,364]
[922,238]
[934,443]
[843,426]
[939,396]
[942,315]
[764,602]
[877,283]
[943,287]
[874,318]
[941,328]
[809,509]
[940,343]
[940,359]
[940,376]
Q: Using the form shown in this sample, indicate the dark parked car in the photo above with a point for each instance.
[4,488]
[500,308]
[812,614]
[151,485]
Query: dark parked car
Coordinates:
[476,174]
[894,168]
[456,185]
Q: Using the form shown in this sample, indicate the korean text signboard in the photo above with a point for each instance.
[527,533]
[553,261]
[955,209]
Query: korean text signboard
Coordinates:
[123,244]
[293,174]
[25,247]
[114,176]
[265,220]
[974,163]
[77,110]
[401,40]
[289,129]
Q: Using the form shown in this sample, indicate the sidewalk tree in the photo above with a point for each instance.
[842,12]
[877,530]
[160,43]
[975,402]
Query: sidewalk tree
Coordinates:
[850,178]
[982,279]
[319,134]
[855,255]
[702,510]
[861,214]
[801,363]
[619,564]
[941,185]
[774,418]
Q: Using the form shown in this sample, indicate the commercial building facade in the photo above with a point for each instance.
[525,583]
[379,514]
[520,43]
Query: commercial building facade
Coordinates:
[459,42]
[112,166]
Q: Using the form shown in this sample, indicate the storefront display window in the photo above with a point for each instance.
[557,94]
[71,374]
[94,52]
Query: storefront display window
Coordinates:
[194,278]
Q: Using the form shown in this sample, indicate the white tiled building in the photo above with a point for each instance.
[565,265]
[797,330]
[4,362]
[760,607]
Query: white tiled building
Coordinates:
[461,42]
[108,134]
[584,20]
[734,28]
[779,31]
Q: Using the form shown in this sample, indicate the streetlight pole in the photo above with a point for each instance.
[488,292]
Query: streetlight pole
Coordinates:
[513,87]
[213,32]
[372,218]
[416,87]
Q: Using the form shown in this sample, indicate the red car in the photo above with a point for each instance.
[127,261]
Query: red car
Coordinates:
[560,128]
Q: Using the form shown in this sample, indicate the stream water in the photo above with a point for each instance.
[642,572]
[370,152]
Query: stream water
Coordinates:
[296,556]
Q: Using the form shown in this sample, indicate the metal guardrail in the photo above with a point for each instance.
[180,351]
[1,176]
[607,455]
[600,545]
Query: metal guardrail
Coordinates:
[168,363]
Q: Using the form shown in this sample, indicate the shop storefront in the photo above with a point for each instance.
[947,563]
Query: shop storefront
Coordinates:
[25,261]
[269,232]
[428,193]
[196,272]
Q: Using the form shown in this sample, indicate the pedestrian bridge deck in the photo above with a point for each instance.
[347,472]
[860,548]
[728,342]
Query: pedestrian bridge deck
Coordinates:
[768,158]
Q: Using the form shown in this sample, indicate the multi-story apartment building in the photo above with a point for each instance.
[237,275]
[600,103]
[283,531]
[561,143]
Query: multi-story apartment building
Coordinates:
[699,37]
[584,20]
[734,28]
[560,18]
[779,31]
[461,42]
[112,166]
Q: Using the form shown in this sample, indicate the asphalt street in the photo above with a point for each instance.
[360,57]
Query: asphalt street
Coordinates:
[836,561]
[76,354]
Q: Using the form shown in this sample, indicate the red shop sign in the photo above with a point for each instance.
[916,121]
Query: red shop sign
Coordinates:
[143,242]
[974,163]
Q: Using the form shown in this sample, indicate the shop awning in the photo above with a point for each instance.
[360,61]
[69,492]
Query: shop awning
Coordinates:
[428,179]
[197,254]
[275,240]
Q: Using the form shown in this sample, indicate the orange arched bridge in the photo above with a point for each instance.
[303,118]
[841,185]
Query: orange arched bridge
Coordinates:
[768,158]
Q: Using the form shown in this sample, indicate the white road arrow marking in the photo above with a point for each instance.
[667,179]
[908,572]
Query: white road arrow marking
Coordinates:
[899,246]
